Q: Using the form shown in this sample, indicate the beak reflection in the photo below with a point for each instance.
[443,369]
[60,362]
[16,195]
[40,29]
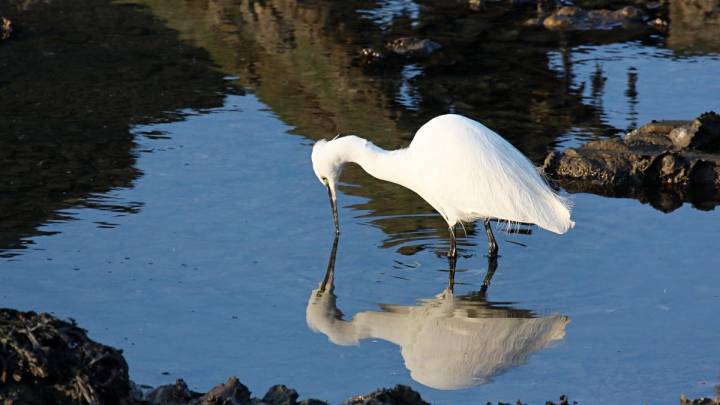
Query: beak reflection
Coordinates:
[333,205]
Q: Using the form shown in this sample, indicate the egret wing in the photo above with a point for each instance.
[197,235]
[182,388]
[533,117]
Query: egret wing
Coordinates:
[467,171]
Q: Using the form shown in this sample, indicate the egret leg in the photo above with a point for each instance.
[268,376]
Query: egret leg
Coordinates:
[453,243]
[492,244]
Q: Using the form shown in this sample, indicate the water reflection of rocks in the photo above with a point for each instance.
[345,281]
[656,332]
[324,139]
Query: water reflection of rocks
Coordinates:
[447,342]
[491,66]
[72,88]
[93,74]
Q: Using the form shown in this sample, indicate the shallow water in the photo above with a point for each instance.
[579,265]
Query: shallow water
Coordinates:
[214,270]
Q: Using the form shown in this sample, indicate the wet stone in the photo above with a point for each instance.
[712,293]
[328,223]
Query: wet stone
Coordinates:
[412,47]
[699,401]
[400,395]
[172,394]
[280,395]
[312,402]
[233,392]
[702,134]
[664,163]
[5,28]
[367,56]
[571,18]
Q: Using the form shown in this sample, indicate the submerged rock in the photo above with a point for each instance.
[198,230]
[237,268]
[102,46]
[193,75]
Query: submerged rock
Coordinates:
[412,47]
[368,56]
[578,19]
[665,163]
[400,395]
[5,28]
[397,51]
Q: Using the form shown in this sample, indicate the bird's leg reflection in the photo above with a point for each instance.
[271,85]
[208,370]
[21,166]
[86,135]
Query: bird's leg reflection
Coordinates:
[492,244]
[452,262]
[330,272]
[492,266]
[447,341]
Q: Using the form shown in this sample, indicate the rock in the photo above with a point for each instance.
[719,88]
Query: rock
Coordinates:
[280,395]
[654,133]
[5,28]
[45,360]
[578,19]
[476,5]
[231,393]
[312,402]
[702,134]
[171,394]
[563,401]
[400,395]
[412,47]
[369,56]
[664,162]
[695,26]
[699,401]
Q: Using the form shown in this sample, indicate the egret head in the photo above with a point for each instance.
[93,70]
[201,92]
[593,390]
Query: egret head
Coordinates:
[327,167]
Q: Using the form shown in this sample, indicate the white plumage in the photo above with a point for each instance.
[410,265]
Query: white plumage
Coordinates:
[462,168]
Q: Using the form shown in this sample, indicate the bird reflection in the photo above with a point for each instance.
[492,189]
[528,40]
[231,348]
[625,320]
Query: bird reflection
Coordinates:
[447,342]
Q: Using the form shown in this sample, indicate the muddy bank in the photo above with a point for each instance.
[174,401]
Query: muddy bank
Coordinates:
[46,360]
[664,163]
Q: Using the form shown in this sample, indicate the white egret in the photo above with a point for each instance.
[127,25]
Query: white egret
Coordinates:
[461,168]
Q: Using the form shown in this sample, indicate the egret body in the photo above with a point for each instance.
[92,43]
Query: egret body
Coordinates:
[463,169]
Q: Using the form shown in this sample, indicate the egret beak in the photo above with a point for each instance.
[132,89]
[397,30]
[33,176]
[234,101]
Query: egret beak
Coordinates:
[333,204]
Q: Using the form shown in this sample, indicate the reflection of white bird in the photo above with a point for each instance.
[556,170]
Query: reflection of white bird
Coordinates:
[442,345]
[447,342]
[460,167]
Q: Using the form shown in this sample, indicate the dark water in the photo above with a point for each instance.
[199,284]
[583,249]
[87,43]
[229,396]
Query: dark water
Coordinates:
[200,248]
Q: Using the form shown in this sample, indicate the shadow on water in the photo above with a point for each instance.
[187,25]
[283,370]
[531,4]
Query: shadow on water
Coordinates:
[71,88]
[447,342]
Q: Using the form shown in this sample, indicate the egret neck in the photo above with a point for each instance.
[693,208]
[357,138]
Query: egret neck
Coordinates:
[382,164]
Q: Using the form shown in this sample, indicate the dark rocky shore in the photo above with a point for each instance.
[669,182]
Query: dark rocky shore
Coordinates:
[664,163]
[44,360]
